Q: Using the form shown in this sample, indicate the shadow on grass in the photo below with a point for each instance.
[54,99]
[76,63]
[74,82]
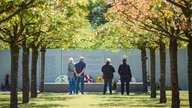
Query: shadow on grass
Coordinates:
[4,99]
[5,106]
[56,98]
[30,105]
[133,100]
[125,104]
[184,99]
[111,104]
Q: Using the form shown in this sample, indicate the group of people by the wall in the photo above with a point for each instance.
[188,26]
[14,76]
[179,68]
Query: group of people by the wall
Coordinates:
[76,75]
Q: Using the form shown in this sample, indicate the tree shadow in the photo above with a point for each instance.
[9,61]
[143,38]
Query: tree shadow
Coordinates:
[30,105]
[56,98]
[49,106]
[5,106]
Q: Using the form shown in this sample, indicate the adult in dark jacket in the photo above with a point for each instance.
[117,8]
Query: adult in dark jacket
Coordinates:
[108,71]
[124,71]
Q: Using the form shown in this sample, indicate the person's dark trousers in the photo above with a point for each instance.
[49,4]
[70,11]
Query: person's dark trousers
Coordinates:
[80,80]
[123,81]
[107,81]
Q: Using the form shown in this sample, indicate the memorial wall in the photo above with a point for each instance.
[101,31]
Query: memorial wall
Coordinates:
[57,60]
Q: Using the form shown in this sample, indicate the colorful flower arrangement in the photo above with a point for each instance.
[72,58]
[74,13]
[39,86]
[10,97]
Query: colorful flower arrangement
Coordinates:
[100,79]
[87,79]
[62,79]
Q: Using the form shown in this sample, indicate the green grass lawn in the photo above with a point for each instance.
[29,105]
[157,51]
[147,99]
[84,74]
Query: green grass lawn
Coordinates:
[94,100]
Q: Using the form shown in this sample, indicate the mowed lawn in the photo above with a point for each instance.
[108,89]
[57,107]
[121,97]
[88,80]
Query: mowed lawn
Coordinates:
[94,100]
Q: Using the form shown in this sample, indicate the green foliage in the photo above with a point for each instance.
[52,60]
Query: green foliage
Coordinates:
[116,34]
[67,23]
[112,35]
[51,23]
[159,18]
[10,8]
[96,12]
[3,45]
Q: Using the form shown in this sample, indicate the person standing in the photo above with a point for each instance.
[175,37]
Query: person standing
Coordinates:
[108,71]
[80,70]
[124,71]
[71,76]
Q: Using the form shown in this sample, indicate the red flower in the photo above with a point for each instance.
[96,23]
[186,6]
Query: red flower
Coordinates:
[87,78]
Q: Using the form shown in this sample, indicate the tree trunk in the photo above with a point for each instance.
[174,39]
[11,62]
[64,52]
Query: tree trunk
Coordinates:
[34,72]
[25,75]
[163,73]
[144,71]
[190,72]
[43,49]
[174,74]
[152,63]
[14,75]
[189,49]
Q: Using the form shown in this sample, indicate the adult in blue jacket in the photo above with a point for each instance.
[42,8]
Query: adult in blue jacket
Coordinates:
[80,70]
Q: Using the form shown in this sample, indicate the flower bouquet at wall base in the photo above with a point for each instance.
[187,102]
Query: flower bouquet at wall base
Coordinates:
[100,79]
[88,79]
[62,79]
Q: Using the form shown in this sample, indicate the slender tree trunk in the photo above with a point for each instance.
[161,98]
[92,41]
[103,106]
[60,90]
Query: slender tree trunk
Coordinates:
[163,73]
[188,34]
[152,63]
[144,71]
[25,75]
[190,72]
[14,75]
[189,49]
[174,74]
[34,72]
[43,49]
